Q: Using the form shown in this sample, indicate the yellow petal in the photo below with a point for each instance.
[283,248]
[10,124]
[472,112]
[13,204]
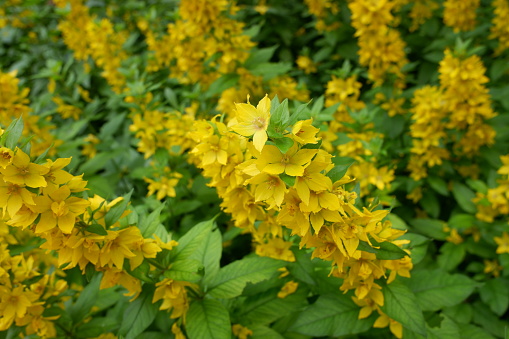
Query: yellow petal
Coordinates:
[259,139]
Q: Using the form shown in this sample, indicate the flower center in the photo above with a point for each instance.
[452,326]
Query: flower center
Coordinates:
[259,123]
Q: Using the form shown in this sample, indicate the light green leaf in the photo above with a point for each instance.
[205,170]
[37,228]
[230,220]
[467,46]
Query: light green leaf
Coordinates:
[264,332]
[13,132]
[331,315]
[401,305]
[191,244]
[230,281]
[116,211]
[436,289]
[149,225]
[208,318]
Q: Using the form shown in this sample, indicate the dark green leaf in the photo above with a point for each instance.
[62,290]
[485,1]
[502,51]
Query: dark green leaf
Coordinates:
[386,250]
[85,301]
[96,229]
[464,196]
[495,293]
[149,225]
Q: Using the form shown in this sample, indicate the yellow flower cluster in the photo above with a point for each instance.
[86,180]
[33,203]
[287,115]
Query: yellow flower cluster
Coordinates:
[98,40]
[451,107]
[500,30]
[14,103]
[39,197]
[321,9]
[495,201]
[381,48]
[24,292]
[346,92]
[174,296]
[422,10]
[460,14]
[264,188]
[167,130]
[203,31]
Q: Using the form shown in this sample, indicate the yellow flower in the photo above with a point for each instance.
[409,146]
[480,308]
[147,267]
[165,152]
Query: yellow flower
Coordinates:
[12,197]
[304,132]
[58,209]
[251,121]
[241,332]
[293,162]
[289,288]
[14,304]
[6,156]
[22,172]
[174,296]
[503,243]
[269,188]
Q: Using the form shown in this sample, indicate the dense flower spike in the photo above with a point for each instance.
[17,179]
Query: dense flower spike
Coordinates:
[322,213]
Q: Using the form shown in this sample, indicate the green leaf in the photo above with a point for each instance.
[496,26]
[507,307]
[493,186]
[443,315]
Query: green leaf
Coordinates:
[341,165]
[139,314]
[430,204]
[264,332]
[279,118]
[387,250]
[436,289]
[269,70]
[451,255]
[495,293]
[13,132]
[209,319]
[186,269]
[401,305]
[259,55]
[231,279]
[213,249]
[224,82]
[429,227]
[265,308]
[331,315]
[461,221]
[464,196]
[191,244]
[439,185]
[418,246]
[489,321]
[116,211]
[284,144]
[297,114]
[149,225]
[85,301]
[111,127]
[96,327]
[96,229]
[473,332]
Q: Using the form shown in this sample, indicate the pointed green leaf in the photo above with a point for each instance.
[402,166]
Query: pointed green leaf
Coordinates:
[116,211]
[400,304]
[230,281]
[139,314]
[331,315]
[495,293]
[208,318]
[436,289]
